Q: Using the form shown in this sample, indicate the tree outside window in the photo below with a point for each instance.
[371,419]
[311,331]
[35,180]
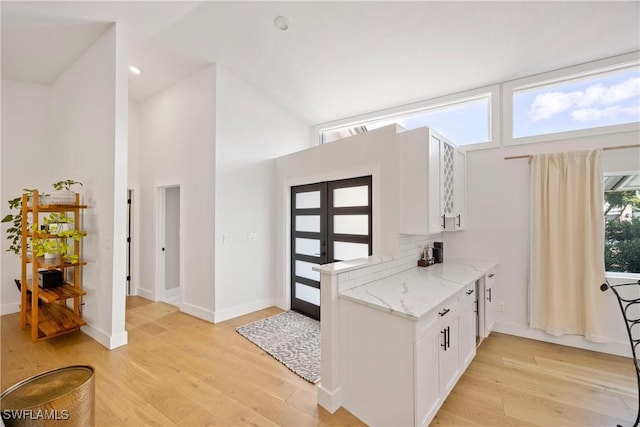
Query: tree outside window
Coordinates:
[622,226]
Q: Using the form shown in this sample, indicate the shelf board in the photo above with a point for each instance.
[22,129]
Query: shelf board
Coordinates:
[55,319]
[57,208]
[45,266]
[41,235]
[64,291]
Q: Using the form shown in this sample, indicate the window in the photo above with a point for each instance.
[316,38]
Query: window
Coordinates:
[445,115]
[585,100]
[622,222]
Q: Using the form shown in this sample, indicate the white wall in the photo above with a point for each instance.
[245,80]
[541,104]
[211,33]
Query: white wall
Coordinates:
[251,131]
[89,133]
[133,177]
[498,228]
[373,153]
[177,147]
[24,164]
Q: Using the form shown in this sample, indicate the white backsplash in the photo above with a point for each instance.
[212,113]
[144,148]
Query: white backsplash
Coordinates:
[409,250]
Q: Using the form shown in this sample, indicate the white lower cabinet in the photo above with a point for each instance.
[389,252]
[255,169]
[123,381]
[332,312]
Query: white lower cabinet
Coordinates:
[468,328]
[437,346]
[399,371]
[488,303]
[427,376]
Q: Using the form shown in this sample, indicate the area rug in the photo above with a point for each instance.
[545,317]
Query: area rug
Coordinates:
[292,339]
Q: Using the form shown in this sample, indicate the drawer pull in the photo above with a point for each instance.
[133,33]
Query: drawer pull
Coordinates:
[470,291]
[444,312]
[491,275]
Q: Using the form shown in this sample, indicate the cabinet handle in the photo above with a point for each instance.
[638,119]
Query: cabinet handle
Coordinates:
[444,339]
[444,222]
[444,312]
[448,337]
[489,290]
[459,220]
[491,275]
[470,291]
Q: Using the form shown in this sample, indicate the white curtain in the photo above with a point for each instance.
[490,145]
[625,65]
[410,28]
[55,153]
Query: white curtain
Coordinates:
[567,244]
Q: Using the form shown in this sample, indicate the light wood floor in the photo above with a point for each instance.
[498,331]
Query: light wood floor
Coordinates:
[179,370]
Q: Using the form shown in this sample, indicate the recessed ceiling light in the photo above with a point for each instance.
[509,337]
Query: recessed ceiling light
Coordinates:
[136,70]
[281,23]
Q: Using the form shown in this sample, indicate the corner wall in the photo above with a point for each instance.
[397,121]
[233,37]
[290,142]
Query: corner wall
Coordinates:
[89,132]
[177,147]
[251,132]
[24,164]
[498,228]
[372,153]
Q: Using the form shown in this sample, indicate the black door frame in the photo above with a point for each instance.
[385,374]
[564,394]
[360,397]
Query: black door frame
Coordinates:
[299,305]
[327,237]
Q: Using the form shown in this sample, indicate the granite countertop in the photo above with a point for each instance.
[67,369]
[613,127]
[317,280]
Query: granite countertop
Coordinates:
[415,292]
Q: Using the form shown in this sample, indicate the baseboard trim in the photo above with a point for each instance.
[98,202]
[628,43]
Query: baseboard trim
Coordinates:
[230,313]
[330,400]
[145,294]
[617,348]
[171,293]
[199,312]
[109,341]
[13,307]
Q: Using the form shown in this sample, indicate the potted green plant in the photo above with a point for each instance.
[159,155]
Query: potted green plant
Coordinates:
[63,194]
[54,245]
[14,232]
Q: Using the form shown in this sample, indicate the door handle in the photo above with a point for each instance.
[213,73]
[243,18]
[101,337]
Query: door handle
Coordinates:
[444,222]
[459,220]
[489,294]
[162,249]
[444,339]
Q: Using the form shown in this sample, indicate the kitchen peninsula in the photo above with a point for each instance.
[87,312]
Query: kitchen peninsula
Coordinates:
[399,337]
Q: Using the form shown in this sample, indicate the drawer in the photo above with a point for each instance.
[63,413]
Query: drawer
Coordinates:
[449,307]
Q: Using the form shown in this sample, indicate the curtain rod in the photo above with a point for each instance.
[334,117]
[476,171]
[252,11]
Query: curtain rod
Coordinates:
[616,147]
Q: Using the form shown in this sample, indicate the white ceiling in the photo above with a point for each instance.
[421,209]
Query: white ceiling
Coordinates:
[338,59]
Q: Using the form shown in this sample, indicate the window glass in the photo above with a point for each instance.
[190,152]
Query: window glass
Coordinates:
[351,196]
[605,99]
[464,123]
[622,223]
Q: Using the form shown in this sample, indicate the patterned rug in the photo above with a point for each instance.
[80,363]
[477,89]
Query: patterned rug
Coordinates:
[292,339]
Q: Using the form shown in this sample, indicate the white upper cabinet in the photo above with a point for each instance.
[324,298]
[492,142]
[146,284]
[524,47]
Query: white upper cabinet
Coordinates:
[432,180]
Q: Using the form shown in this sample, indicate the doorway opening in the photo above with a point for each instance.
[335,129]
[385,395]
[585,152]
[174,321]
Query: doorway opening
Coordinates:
[330,221]
[169,245]
[129,243]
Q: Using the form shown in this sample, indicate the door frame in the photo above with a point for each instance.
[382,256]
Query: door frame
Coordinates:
[326,235]
[283,274]
[160,216]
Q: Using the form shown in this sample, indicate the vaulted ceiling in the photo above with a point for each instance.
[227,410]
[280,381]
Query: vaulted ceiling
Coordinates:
[337,59]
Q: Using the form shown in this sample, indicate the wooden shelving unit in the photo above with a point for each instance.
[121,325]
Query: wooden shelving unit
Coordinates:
[54,311]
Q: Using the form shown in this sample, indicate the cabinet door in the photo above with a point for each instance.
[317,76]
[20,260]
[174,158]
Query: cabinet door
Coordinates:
[447,159]
[436,213]
[449,351]
[427,386]
[489,305]
[460,190]
[467,327]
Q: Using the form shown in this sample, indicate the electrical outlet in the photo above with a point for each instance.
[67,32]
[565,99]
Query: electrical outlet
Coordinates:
[500,307]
